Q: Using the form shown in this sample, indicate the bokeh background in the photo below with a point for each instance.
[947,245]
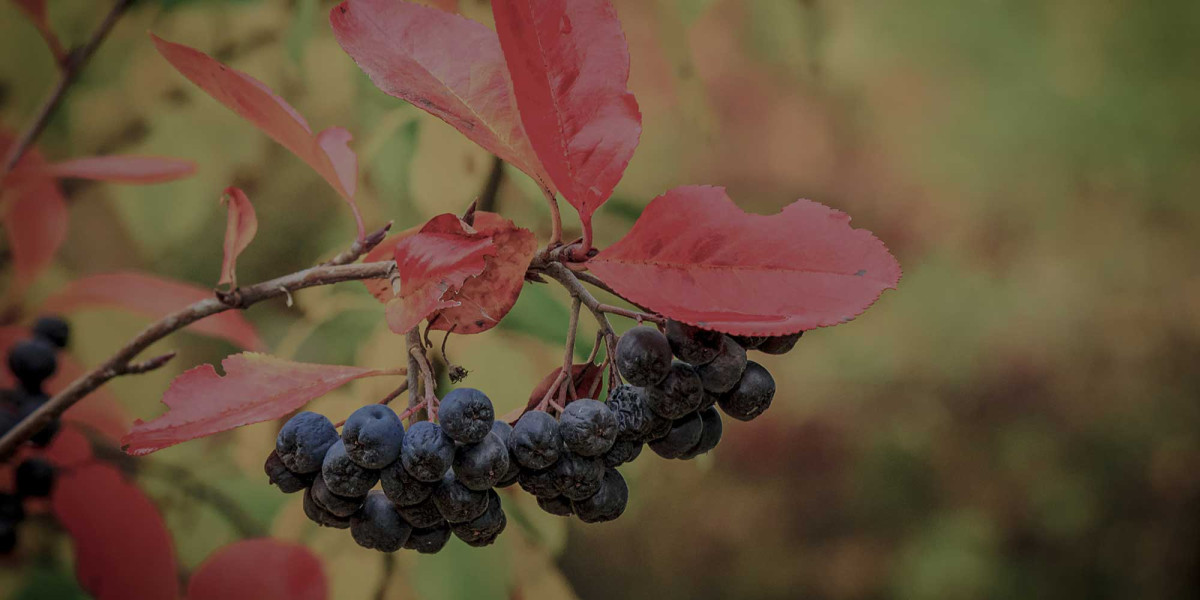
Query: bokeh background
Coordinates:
[1018,420]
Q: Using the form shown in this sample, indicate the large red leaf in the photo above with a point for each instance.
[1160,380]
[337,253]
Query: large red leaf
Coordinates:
[570,67]
[124,169]
[485,299]
[433,264]
[440,62]
[122,547]
[35,216]
[326,152]
[696,257]
[259,569]
[240,227]
[255,388]
[152,297]
[386,250]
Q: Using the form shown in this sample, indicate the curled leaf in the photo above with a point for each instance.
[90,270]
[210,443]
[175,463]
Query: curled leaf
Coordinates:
[124,169]
[240,226]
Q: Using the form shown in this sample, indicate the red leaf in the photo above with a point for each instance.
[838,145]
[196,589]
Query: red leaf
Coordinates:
[694,256]
[153,297]
[36,11]
[124,169]
[260,569]
[485,299]
[240,227]
[382,288]
[327,152]
[570,67]
[585,375]
[440,62]
[433,264]
[255,388]
[35,220]
[122,547]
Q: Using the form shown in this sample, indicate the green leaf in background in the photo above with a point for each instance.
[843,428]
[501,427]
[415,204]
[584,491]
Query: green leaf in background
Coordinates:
[48,582]
[690,10]
[460,572]
[301,30]
[391,170]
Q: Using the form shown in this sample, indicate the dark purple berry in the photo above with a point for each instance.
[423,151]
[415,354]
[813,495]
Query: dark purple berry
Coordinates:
[684,436]
[750,342]
[643,356]
[557,505]
[634,417]
[423,515]
[607,503]
[304,440]
[679,394]
[466,415]
[345,477]
[427,452]
[622,451]
[401,487]
[481,466]
[535,440]
[340,506]
[577,476]
[379,526]
[287,481]
[541,483]
[457,502]
[587,427]
[659,428]
[428,541]
[751,396]
[720,375]
[53,329]
[34,478]
[484,529]
[504,431]
[373,435]
[780,344]
[32,362]
[710,434]
[692,344]
[317,513]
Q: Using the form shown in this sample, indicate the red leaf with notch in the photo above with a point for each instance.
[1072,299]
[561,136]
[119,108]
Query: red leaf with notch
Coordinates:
[124,169]
[696,257]
[485,299]
[259,569]
[240,226]
[255,388]
[447,65]
[122,547]
[433,265]
[35,218]
[327,152]
[153,297]
[570,68]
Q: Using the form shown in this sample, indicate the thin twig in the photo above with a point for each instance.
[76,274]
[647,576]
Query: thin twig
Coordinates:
[631,314]
[360,247]
[555,219]
[568,279]
[119,363]
[70,72]
[427,375]
[491,190]
[569,355]
[389,568]
[412,410]
[147,365]
[413,340]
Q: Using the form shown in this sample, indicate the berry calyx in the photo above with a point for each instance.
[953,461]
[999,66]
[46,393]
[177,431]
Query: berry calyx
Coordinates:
[587,427]
[535,440]
[426,452]
[373,436]
[466,415]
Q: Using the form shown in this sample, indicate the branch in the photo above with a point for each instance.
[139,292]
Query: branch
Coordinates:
[360,247]
[70,72]
[415,399]
[240,298]
[567,278]
[491,189]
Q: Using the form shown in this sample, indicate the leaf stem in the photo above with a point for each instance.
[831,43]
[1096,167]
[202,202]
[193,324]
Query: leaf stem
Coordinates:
[412,341]
[555,219]
[569,355]
[631,314]
[567,278]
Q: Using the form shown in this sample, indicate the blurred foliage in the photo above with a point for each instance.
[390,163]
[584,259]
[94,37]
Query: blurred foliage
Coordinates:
[1018,420]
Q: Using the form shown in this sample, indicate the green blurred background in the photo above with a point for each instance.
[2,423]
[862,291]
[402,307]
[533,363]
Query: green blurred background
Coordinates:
[1018,420]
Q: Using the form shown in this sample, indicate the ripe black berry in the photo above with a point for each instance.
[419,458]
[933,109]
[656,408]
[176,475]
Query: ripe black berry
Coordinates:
[643,356]
[484,529]
[679,394]
[373,435]
[684,435]
[53,329]
[710,434]
[622,451]
[340,506]
[317,514]
[659,428]
[345,477]
[541,483]
[504,431]
[304,440]
[692,344]
[401,487]
[427,452]
[378,525]
[428,541]
[32,362]
[456,502]
[34,478]
[607,503]
[535,441]
[423,515]
[481,466]
[720,375]
[557,505]
[752,395]
[577,476]
[466,415]
[587,427]
[750,342]
[634,417]
[780,344]
[287,481]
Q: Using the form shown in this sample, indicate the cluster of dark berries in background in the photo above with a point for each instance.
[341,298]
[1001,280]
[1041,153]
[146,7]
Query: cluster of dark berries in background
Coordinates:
[440,479]
[33,478]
